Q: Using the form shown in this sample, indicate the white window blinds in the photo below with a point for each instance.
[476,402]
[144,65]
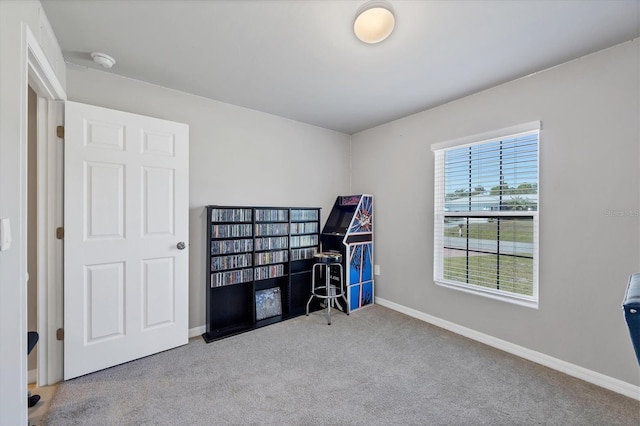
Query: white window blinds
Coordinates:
[486,215]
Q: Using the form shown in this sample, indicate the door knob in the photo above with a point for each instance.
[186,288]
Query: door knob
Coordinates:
[181,245]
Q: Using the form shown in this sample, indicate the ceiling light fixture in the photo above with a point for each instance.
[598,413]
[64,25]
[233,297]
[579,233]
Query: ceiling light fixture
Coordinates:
[103,59]
[374,21]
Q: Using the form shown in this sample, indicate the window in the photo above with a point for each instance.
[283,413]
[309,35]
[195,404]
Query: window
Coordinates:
[486,214]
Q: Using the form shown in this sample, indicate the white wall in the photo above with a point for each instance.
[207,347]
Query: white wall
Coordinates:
[589,152]
[237,156]
[15,17]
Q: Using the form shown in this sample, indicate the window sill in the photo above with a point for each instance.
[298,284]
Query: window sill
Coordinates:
[525,301]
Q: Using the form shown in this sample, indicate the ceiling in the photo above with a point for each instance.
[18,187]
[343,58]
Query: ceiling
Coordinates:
[300,59]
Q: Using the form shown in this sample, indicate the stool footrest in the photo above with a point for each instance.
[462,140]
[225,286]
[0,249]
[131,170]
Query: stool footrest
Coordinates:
[331,287]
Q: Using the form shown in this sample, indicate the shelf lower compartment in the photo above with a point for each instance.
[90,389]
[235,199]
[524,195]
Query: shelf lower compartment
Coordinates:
[223,332]
[270,320]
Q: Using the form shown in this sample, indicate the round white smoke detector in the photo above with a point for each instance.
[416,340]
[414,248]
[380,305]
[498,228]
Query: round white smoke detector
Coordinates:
[103,59]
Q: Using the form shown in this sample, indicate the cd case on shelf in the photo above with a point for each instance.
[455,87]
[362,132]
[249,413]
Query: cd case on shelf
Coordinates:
[268,303]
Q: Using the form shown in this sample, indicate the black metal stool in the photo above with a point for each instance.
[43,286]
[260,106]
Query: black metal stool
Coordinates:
[325,261]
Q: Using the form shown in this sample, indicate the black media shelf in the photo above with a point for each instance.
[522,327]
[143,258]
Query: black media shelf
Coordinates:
[259,266]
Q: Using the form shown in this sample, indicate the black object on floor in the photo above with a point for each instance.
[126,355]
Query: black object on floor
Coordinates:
[33,400]
[32,339]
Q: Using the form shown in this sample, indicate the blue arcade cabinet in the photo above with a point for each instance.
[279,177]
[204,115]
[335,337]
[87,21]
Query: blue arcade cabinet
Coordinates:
[349,230]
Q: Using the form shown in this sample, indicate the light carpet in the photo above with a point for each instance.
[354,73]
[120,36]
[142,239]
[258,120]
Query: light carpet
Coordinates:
[374,367]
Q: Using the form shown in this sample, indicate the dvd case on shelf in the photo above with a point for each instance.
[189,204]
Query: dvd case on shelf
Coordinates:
[219,279]
[230,231]
[268,257]
[272,215]
[231,246]
[304,227]
[304,214]
[220,263]
[272,229]
[265,272]
[271,243]
[304,240]
[305,253]
[231,215]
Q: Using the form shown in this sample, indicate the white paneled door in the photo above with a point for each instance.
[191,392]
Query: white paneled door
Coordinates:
[125,245]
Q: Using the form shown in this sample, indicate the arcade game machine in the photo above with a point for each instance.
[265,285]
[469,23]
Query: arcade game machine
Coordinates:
[349,230]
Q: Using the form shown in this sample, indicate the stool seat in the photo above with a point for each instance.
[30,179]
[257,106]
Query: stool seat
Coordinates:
[325,262]
[328,257]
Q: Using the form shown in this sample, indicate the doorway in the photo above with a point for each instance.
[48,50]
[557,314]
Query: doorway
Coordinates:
[32,230]
[40,378]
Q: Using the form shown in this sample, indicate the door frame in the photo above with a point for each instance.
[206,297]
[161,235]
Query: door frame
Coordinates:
[41,77]
[50,161]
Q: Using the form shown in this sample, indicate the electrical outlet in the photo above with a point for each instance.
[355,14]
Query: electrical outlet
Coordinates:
[376,269]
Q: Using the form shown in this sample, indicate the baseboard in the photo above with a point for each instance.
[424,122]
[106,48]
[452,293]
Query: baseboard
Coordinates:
[32,376]
[197,331]
[610,383]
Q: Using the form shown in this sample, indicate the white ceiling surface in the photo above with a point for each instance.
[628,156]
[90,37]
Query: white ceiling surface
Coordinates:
[300,59]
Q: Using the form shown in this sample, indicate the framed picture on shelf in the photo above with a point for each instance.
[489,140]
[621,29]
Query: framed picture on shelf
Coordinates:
[268,303]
